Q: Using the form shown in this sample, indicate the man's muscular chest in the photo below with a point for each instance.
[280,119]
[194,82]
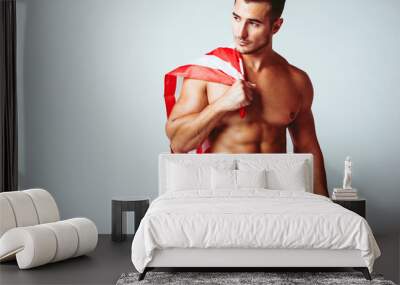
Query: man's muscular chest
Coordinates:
[276,101]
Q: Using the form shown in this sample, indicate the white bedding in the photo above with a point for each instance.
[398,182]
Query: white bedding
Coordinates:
[250,218]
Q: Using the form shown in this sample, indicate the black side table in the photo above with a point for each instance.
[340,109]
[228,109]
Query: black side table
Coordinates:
[121,205]
[358,206]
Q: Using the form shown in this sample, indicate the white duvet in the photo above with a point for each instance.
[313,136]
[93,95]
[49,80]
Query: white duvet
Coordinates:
[250,218]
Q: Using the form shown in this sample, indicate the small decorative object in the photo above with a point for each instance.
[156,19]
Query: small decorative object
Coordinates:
[347,173]
[347,192]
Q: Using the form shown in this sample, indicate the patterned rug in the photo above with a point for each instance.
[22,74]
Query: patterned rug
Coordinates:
[230,278]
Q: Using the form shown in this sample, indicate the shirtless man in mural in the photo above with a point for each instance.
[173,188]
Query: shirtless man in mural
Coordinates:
[277,96]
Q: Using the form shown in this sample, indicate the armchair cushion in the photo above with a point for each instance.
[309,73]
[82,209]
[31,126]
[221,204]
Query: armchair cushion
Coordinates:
[30,230]
[45,243]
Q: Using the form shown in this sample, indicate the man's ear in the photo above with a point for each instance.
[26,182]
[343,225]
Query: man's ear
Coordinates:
[276,25]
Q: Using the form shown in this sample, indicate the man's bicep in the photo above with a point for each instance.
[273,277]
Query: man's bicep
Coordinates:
[192,100]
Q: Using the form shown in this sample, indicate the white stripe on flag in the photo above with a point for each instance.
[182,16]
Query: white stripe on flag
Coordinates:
[212,61]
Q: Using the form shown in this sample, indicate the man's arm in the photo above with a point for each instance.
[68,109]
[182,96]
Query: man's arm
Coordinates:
[192,118]
[304,138]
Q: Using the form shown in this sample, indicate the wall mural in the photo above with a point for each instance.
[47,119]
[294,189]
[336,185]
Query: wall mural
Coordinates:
[243,98]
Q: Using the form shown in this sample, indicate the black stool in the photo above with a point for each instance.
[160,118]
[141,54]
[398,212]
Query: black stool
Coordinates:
[121,205]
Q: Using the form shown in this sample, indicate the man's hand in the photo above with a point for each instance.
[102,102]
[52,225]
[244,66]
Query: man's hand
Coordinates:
[239,95]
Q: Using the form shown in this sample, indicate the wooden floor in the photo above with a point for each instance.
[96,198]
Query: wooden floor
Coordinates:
[102,266]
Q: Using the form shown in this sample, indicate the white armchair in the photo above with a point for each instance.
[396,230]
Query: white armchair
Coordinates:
[32,233]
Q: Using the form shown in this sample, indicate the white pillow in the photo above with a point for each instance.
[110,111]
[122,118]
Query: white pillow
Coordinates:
[236,179]
[281,175]
[187,175]
[288,179]
[183,177]
[223,179]
[251,178]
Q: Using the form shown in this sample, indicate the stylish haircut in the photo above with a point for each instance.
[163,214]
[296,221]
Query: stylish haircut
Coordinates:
[277,7]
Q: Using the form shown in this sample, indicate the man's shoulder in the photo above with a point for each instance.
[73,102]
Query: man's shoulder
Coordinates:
[296,73]
[300,79]
[300,76]
[303,85]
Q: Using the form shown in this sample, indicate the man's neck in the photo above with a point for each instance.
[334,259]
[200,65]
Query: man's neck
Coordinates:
[260,59]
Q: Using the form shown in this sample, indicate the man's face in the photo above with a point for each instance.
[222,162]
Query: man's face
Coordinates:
[252,29]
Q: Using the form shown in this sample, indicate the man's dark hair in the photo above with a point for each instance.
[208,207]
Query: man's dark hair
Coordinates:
[277,7]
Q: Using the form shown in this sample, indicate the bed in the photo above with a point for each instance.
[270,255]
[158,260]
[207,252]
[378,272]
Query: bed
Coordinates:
[247,211]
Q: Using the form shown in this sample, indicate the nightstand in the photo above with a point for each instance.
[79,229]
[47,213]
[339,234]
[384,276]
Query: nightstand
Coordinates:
[121,205]
[358,206]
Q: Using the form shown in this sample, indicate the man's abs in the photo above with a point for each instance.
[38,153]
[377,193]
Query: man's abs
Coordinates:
[248,137]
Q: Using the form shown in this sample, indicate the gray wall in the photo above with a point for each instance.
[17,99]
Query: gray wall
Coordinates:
[90,93]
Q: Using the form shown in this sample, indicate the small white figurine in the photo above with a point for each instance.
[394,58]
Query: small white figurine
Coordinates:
[347,173]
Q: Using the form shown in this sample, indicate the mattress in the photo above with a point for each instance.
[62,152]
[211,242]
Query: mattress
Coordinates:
[250,219]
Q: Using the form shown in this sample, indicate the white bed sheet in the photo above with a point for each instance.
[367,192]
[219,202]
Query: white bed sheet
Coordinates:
[250,218]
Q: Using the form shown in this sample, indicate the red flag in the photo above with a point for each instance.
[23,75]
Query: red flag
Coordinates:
[222,65]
